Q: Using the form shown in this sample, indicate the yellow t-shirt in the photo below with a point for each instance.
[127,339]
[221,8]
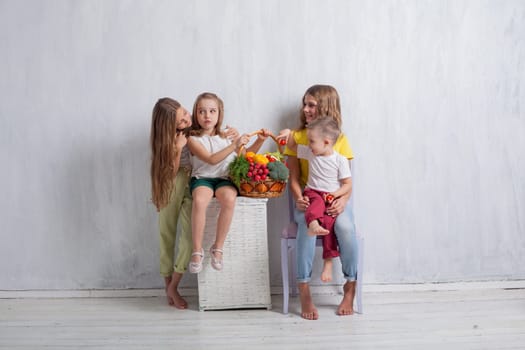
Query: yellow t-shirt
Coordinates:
[341,146]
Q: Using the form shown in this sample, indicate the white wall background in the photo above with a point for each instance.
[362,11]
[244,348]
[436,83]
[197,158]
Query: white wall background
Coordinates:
[433,98]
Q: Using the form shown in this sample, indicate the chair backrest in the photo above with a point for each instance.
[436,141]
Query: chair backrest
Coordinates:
[290,230]
[352,169]
[291,204]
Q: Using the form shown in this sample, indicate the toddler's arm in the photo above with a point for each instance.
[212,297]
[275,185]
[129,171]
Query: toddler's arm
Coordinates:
[345,189]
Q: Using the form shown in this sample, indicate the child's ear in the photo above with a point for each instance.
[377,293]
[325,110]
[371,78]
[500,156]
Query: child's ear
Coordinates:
[326,142]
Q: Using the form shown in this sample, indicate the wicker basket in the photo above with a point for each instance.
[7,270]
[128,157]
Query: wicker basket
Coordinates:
[268,188]
[262,189]
[244,281]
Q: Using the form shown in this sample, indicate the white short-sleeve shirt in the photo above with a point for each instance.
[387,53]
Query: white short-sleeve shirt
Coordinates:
[324,172]
[213,144]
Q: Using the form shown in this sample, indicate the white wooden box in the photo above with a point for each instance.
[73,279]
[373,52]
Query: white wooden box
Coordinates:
[244,281]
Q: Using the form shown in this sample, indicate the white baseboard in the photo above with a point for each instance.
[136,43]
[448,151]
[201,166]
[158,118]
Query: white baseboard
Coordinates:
[276,290]
[444,286]
[416,287]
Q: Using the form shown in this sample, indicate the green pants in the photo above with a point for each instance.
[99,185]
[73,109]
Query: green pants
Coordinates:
[178,208]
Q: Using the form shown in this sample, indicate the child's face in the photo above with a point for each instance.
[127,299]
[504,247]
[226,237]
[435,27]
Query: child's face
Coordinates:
[207,114]
[182,119]
[310,108]
[320,146]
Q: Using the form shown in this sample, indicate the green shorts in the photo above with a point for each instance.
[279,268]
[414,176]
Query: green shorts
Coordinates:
[214,183]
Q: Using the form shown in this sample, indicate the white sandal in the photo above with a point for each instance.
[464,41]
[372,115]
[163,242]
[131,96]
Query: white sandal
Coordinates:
[215,262]
[196,267]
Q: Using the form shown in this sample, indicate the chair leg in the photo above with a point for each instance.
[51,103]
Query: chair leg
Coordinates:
[359,284]
[284,272]
[292,245]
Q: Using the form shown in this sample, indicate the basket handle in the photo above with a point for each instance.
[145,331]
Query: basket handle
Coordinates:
[257,132]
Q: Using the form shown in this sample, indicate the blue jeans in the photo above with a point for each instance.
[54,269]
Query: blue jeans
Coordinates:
[346,238]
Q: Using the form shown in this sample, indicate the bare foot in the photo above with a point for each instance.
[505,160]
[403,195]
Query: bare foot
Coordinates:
[347,304]
[308,310]
[315,229]
[326,275]
[167,281]
[173,293]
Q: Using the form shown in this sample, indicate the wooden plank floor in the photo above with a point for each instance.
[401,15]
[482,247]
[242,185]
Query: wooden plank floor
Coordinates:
[465,319]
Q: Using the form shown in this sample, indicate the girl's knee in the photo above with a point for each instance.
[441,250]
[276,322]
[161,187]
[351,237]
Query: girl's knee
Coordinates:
[200,204]
[201,197]
[226,196]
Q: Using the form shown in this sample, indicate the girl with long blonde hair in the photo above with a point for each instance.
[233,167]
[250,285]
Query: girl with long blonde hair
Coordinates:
[170,175]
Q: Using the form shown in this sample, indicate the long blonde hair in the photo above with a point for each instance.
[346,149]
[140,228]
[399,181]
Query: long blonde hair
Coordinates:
[328,103]
[196,129]
[163,151]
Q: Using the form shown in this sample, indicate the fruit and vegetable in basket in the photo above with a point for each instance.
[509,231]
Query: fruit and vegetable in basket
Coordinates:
[261,167]
[255,173]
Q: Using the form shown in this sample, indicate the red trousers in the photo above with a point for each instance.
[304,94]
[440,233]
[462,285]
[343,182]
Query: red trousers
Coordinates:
[317,211]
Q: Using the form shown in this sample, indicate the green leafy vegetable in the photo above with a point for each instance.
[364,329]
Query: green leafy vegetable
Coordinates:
[238,170]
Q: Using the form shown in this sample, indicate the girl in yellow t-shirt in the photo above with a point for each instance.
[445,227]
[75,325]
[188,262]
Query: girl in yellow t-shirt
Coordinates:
[321,100]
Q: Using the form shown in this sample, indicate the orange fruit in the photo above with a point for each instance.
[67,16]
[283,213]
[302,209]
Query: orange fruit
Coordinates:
[246,187]
[261,188]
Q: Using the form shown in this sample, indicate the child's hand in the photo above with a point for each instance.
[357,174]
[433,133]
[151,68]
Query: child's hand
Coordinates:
[242,141]
[337,206]
[180,140]
[264,133]
[231,133]
[328,198]
[283,136]
[302,203]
